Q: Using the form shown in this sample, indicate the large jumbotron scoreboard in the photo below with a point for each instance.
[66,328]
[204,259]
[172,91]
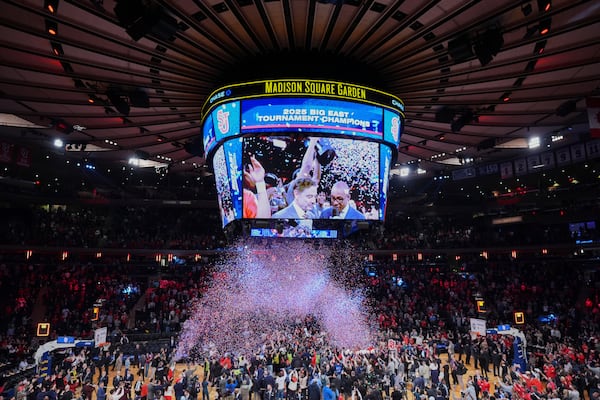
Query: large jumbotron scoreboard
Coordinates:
[282,130]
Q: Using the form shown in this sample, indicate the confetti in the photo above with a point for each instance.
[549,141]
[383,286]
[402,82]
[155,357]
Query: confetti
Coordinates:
[261,296]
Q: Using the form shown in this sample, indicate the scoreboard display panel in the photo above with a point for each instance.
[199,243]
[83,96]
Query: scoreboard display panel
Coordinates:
[301,151]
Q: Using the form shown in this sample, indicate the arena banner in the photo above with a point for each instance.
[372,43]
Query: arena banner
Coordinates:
[6,152]
[593,108]
[519,351]
[45,365]
[23,157]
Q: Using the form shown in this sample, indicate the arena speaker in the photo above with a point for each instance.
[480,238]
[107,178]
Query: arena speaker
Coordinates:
[566,108]
[195,147]
[119,101]
[445,114]
[141,17]
[460,48]
[488,44]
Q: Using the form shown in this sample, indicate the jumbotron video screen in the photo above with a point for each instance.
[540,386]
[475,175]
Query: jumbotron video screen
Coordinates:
[296,158]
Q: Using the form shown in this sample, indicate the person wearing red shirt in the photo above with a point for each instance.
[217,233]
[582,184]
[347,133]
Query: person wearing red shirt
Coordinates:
[550,371]
[144,391]
[484,385]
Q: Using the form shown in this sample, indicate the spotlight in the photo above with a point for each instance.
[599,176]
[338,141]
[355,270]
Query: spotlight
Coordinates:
[534,142]
[544,26]
[51,27]
[526,9]
[544,5]
[57,49]
[539,47]
[58,143]
[505,97]
[51,6]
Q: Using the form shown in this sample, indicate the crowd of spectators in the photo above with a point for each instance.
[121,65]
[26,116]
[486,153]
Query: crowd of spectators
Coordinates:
[113,227]
[74,290]
[166,303]
[424,309]
[200,229]
[423,312]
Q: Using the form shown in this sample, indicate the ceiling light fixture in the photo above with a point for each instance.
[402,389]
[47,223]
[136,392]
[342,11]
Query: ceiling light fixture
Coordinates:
[57,49]
[539,47]
[544,26]
[51,6]
[534,142]
[51,27]
[544,5]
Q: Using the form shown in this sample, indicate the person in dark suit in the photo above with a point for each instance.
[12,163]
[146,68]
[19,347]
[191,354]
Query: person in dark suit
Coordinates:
[340,204]
[305,196]
[269,393]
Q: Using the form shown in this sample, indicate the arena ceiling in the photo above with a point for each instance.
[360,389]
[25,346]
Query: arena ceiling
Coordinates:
[478,78]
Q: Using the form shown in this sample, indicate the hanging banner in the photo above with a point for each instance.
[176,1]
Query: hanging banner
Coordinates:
[23,157]
[506,170]
[593,149]
[488,169]
[6,152]
[519,357]
[45,365]
[464,173]
[563,156]
[577,152]
[533,162]
[547,160]
[593,108]
[520,166]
